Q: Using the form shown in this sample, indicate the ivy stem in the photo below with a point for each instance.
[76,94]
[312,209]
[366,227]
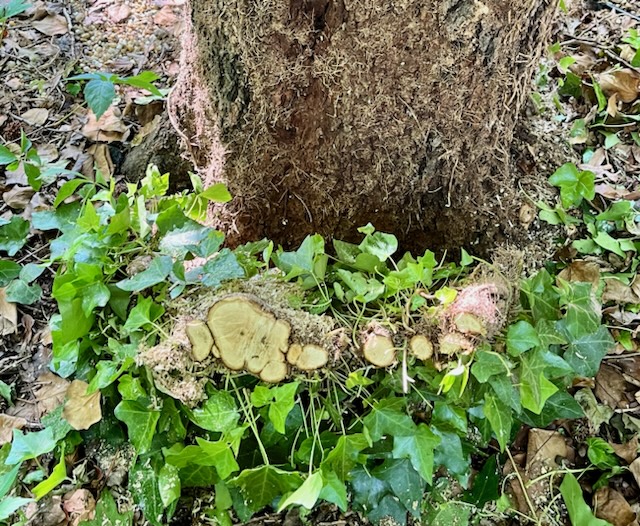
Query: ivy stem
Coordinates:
[522,485]
[251,419]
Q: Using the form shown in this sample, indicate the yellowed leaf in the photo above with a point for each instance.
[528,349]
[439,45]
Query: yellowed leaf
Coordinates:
[52,25]
[7,425]
[624,82]
[8,315]
[35,116]
[81,410]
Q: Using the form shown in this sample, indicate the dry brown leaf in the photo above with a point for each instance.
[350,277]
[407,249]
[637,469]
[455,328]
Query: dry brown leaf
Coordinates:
[102,160]
[611,506]
[7,425]
[612,105]
[79,506]
[624,82]
[627,451]
[615,290]
[81,410]
[18,197]
[108,128]
[118,13]
[51,392]
[35,116]
[583,271]
[8,315]
[52,25]
[611,387]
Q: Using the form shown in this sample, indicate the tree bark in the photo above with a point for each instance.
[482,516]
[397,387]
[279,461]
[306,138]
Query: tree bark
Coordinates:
[330,114]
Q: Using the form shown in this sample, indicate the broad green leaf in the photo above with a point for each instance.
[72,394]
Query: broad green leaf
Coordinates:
[448,417]
[5,391]
[143,315]
[67,190]
[280,399]
[389,417]
[9,270]
[303,260]
[404,481]
[6,156]
[489,363]
[449,453]
[541,296]
[143,485]
[306,495]
[579,512]
[574,184]
[58,475]
[346,454]
[169,484]
[221,268]
[585,354]
[13,235]
[221,456]
[486,484]
[30,445]
[158,270]
[20,291]
[601,454]
[334,490]
[8,477]
[141,421]
[535,388]
[99,95]
[259,487]
[449,513]
[9,505]
[380,245]
[419,448]
[521,337]
[499,416]
[560,406]
[219,413]
[107,513]
[217,193]
[367,489]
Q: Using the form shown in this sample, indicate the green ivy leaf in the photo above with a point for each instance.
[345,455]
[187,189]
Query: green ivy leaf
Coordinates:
[499,416]
[535,389]
[404,481]
[521,337]
[13,235]
[346,454]
[6,156]
[158,270]
[541,296]
[169,484]
[574,184]
[9,505]
[389,417]
[141,421]
[306,495]
[99,94]
[419,448]
[222,267]
[486,484]
[585,354]
[280,399]
[143,315]
[579,512]
[601,454]
[261,486]
[107,513]
[218,193]
[488,364]
[9,270]
[58,475]
[30,445]
[334,490]
[21,292]
[219,413]
[143,485]
[379,245]
[220,455]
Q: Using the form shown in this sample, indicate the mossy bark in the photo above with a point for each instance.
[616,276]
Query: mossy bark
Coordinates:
[335,113]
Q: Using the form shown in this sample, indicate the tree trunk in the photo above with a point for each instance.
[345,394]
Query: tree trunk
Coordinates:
[330,114]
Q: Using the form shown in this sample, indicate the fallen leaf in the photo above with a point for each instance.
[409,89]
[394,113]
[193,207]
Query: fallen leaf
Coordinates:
[118,13]
[79,506]
[81,410]
[611,506]
[18,197]
[627,451]
[52,25]
[615,290]
[51,392]
[35,116]
[8,315]
[108,128]
[612,105]
[7,425]
[623,82]
[611,387]
[597,414]
[102,160]
[582,271]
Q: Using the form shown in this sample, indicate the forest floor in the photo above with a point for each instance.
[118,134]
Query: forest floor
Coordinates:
[150,437]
